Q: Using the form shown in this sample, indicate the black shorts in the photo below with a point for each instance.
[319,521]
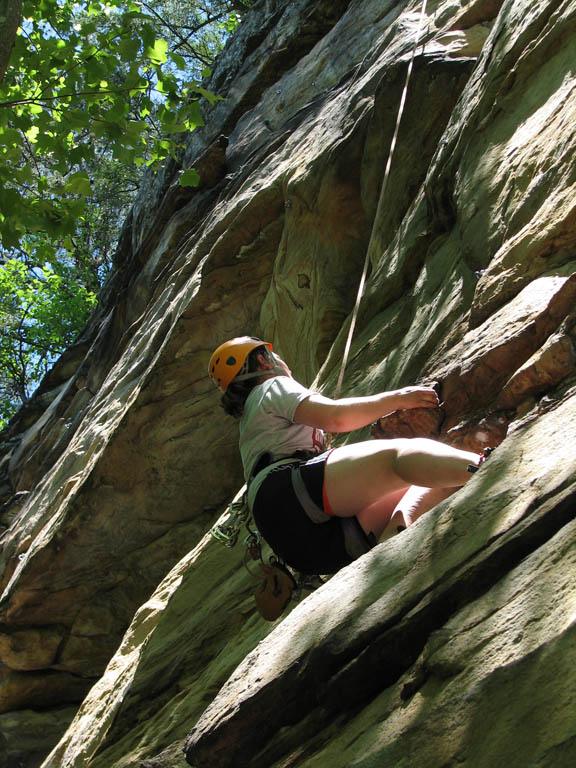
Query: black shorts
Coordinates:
[307,546]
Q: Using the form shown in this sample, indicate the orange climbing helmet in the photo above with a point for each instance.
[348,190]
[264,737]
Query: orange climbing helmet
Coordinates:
[229,358]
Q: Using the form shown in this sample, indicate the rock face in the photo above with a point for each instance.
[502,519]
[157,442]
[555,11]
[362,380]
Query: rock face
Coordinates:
[127,634]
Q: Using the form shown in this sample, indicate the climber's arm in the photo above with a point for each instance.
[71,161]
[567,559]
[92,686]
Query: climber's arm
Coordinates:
[350,413]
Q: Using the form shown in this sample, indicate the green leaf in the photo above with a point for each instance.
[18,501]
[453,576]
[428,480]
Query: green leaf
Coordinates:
[194,118]
[156,52]
[189,178]
[148,35]
[78,184]
[77,118]
[10,201]
[32,134]
[212,98]
[11,137]
[128,49]
[179,60]
[10,235]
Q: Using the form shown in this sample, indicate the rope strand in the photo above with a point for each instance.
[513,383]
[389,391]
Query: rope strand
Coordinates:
[380,203]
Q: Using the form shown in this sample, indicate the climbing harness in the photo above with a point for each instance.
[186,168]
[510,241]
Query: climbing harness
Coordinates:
[379,208]
[275,583]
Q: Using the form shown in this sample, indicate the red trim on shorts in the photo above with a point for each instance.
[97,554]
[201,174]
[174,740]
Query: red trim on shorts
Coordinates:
[326,504]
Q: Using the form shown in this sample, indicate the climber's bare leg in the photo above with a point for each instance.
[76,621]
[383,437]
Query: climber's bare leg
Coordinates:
[359,476]
[414,503]
[376,517]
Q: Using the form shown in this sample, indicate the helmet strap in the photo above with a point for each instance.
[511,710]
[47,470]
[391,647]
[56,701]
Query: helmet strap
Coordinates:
[277,371]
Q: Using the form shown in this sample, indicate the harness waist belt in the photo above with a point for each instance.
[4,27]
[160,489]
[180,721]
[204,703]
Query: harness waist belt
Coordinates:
[265,460]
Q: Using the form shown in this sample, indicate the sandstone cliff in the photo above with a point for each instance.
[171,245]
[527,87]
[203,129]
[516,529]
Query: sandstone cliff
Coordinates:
[126,632]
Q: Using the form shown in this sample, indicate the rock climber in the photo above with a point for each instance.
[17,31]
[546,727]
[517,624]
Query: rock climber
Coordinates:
[320,509]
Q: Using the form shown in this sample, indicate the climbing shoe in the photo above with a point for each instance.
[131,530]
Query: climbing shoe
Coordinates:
[485,454]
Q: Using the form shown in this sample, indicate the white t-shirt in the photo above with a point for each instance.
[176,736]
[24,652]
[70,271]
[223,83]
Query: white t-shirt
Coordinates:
[267,425]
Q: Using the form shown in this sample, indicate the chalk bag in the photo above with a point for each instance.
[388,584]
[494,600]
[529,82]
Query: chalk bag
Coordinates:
[275,582]
[274,590]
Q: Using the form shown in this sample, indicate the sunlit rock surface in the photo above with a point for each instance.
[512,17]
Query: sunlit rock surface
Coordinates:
[451,644]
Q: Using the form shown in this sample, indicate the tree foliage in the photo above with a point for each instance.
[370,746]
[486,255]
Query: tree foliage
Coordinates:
[83,77]
[95,91]
[40,313]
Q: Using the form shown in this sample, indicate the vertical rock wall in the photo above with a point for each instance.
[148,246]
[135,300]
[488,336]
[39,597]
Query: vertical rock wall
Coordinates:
[115,599]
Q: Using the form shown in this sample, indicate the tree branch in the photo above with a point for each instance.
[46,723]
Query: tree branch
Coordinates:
[40,101]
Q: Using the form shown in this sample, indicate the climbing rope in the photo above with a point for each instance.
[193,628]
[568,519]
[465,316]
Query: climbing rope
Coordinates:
[380,205]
